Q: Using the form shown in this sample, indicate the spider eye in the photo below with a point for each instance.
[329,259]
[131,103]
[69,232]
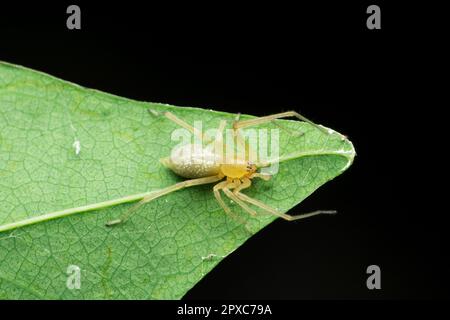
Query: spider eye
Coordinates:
[251,166]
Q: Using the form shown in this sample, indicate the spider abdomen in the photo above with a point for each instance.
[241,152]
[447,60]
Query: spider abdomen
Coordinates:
[193,161]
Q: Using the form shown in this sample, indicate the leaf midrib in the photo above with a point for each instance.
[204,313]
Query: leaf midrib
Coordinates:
[136,197]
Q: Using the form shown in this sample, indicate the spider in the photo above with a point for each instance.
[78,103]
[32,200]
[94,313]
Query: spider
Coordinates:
[232,178]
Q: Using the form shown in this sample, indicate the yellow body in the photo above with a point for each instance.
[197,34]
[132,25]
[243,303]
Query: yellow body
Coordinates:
[237,170]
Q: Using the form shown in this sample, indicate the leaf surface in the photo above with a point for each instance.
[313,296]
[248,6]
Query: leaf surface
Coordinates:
[64,146]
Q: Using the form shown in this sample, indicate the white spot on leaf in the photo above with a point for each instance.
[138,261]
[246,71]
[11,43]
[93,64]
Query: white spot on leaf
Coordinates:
[77,146]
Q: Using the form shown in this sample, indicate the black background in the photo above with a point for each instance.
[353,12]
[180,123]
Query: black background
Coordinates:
[265,58]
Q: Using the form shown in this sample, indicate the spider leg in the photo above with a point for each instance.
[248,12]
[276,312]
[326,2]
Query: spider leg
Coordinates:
[178,121]
[250,154]
[216,189]
[218,139]
[162,192]
[273,211]
[245,183]
[238,201]
[220,130]
[237,184]
[219,199]
[261,120]
[264,176]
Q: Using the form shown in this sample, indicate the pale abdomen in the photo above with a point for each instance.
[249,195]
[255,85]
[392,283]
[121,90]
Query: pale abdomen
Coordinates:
[192,161]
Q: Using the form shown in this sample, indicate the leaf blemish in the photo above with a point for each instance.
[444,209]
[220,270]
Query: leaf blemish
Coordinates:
[77,146]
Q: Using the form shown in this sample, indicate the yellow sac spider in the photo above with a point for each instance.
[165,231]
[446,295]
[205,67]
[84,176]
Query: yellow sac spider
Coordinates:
[236,176]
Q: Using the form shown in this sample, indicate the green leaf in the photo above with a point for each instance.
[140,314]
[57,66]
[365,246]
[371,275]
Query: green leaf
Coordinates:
[170,243]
